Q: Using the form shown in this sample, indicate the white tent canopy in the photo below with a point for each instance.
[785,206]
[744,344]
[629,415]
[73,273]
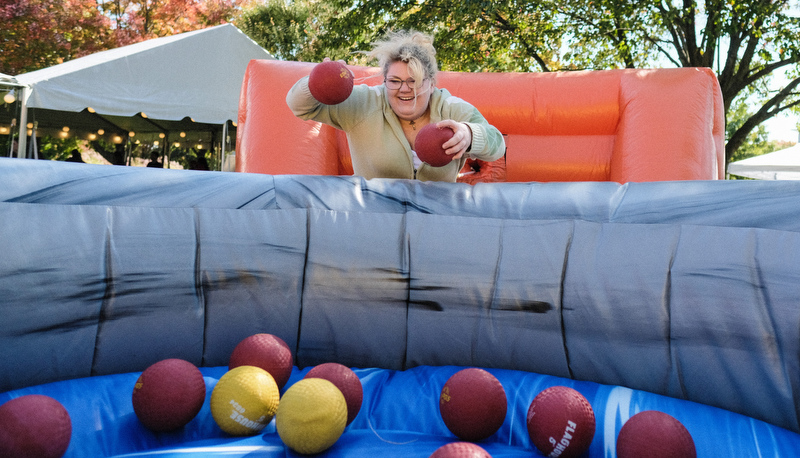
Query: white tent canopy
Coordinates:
[196,75]
[779,165]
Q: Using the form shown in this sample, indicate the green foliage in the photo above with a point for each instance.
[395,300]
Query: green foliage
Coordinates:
[57,149]
[292,30]
[757,142]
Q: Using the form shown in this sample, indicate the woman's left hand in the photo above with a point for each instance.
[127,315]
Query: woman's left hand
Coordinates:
[461,140]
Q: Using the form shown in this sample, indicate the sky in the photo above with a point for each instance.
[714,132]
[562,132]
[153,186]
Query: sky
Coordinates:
[783,127]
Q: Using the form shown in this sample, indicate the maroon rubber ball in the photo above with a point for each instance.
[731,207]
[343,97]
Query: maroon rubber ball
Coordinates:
[473,404]
[267,351]
[428,145]
[168,394]
[654,434]
[330,82]
[34,425]
[561,422]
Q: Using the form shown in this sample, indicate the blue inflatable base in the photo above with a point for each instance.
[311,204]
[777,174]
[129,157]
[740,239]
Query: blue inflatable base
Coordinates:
[399,417]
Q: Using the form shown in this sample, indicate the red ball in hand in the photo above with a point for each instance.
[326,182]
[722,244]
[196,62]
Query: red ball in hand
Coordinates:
[346,380]
[473,404]
[654,434]
[330,82]
[561,422]
[34,425]
[428,145]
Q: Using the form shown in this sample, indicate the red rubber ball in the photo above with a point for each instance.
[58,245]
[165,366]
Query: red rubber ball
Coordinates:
[346,380]
[460,450]
[168,394]
[428,145]
[267,351]
[561,422]
[34,425]
[473,404]
[330,82]
[654,434]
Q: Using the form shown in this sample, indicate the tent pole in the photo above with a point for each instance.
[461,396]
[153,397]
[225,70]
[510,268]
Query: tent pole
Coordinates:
[22,140]
[167,147]
[34,147]
[223,142]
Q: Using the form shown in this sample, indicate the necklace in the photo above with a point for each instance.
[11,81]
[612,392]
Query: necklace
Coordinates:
[413,122]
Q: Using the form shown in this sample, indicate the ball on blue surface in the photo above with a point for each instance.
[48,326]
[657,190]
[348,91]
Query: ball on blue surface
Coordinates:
[460,450]
[168,394]
[267,351]
[561,422]
[654,434]
[473,404]
[34,425]
[346,380]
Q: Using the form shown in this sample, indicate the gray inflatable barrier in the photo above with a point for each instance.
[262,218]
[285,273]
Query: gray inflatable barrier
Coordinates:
[686,289]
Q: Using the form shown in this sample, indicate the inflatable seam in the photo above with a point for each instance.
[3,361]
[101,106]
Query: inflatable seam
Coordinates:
[296,351]
[674,360]
[108,280]
[561,300]
[406,260]
[763,289]
[198,284]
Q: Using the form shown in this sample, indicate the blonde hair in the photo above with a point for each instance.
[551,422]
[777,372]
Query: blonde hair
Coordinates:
[409,46]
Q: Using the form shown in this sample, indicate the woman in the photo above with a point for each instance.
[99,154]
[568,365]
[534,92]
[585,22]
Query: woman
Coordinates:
[382,122]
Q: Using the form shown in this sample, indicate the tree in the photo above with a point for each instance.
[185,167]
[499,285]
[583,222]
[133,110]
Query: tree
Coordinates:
[280,28]
[40,33]
[745,42]
[137,20]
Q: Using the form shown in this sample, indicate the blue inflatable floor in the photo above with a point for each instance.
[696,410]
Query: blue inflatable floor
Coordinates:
[399,417]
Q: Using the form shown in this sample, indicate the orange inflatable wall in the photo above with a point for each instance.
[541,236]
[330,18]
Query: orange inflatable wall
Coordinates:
[626,125]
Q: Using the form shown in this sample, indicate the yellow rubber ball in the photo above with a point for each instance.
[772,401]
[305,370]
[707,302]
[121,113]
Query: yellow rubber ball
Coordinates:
[244,400]
[311,416]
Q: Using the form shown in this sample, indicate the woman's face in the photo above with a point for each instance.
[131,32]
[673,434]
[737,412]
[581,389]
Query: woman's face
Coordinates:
[405,103]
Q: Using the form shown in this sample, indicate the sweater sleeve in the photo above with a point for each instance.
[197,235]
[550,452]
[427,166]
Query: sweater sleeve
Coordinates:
[341,116]
[300,100]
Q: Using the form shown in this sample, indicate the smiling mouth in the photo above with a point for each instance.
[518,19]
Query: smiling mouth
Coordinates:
[406,99]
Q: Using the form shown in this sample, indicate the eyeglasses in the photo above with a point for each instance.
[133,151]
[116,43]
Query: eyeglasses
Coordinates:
[395,84]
